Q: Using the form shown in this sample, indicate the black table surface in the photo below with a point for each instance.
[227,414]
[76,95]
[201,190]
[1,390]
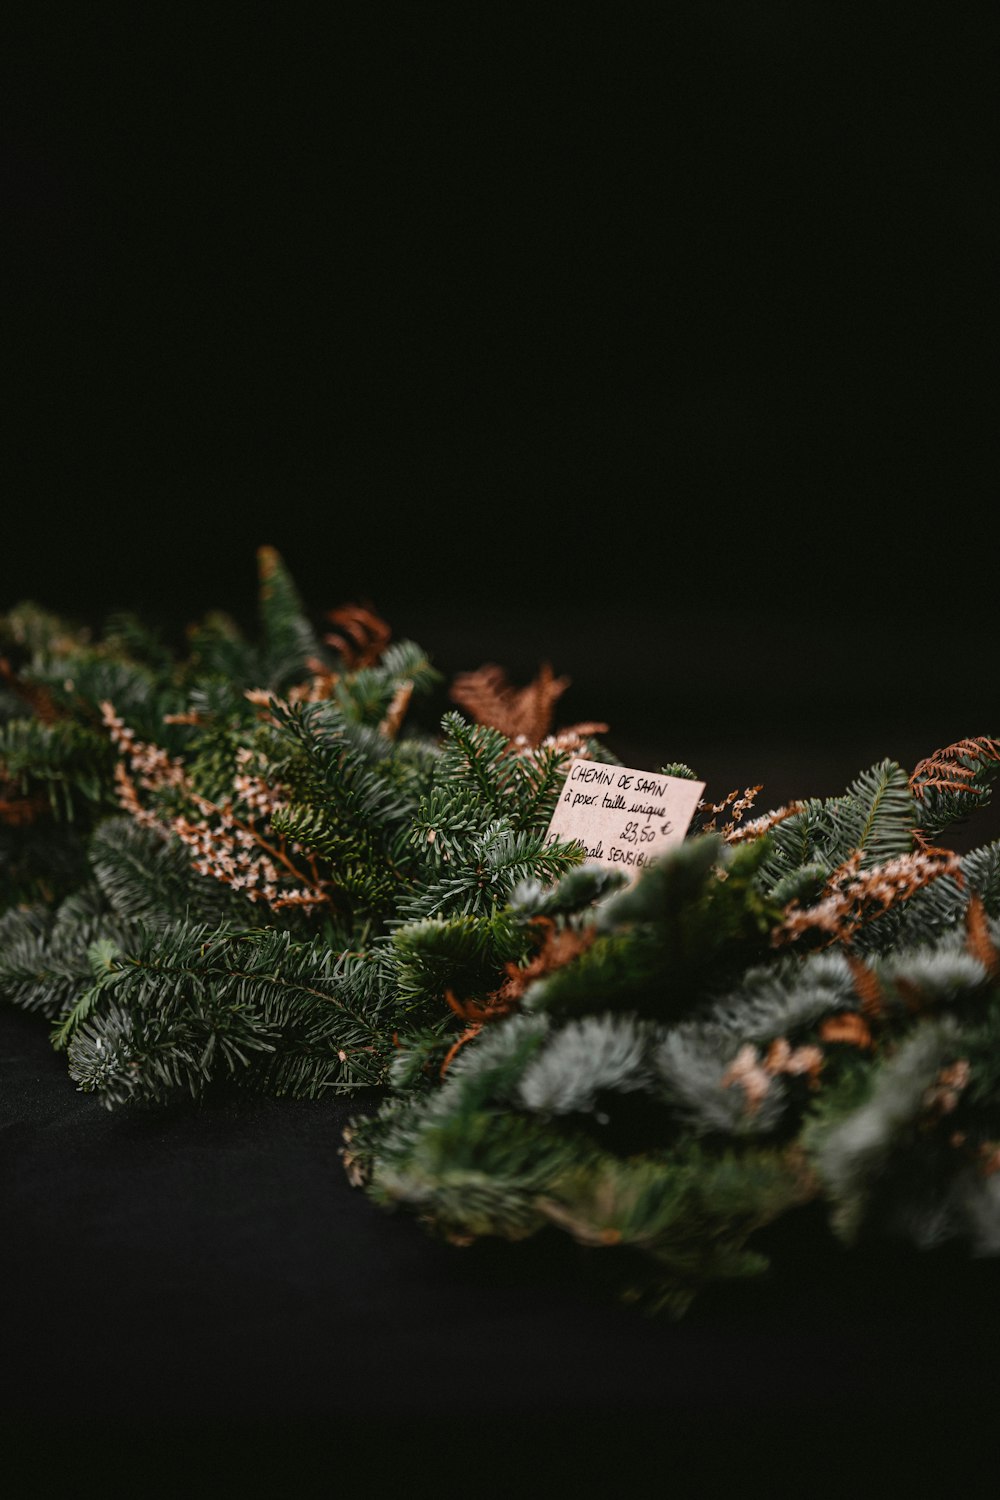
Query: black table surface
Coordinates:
[207,1273]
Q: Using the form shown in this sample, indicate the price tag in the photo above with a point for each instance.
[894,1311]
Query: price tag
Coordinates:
[623,818]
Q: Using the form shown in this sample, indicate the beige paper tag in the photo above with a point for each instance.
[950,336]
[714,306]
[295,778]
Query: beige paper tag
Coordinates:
[624,818]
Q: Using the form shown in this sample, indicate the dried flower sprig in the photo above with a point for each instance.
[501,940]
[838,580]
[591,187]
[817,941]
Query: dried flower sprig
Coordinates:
[152,767]
[853,896]
[738,803]
[759,826]
[233,851]
[754,1074]
[239,851]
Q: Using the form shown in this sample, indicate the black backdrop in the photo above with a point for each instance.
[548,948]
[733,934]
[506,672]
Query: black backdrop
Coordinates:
[657,344]
[662,344]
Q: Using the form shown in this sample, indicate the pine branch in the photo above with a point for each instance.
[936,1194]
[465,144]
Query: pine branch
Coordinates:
[276,883]
[288,641]
[187,1005]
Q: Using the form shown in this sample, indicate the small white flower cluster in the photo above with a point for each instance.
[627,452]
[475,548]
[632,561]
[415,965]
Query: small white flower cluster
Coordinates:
[152,767]
[759,826]
[227,849]
[229,854]
[572,741]
[224,846]
[148,765]
[252,791]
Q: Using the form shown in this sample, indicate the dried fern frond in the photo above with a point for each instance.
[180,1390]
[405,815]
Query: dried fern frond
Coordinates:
[524,714]
[364,636]
[867,986]
[559,947]
[978,938]
[949,770]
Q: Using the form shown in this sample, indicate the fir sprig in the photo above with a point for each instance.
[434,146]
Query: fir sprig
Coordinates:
[242,865]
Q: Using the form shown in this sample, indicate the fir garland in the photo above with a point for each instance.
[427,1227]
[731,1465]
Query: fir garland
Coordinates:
[245,864]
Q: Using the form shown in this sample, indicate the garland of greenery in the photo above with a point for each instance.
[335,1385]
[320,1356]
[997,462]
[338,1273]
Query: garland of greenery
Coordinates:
[247,865]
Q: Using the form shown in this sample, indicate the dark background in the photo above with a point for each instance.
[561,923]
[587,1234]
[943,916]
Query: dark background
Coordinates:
[657,344]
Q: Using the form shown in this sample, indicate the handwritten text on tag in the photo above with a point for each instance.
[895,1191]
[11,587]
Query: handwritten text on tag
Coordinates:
[624,818]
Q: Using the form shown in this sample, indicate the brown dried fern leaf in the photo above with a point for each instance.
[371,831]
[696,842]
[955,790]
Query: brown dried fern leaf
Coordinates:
[522,714]
[559,947]
[866,985]
[947,771]
[978,939]
[362,636]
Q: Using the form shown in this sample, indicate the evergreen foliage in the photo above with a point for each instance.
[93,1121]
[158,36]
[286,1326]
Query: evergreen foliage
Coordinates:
[241,865]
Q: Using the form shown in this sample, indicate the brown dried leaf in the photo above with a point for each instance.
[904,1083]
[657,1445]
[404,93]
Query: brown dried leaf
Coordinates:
[978,939]
[847,1027]
[946,771]
[396,712]
[364,636]
[559,947]
[519,713]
